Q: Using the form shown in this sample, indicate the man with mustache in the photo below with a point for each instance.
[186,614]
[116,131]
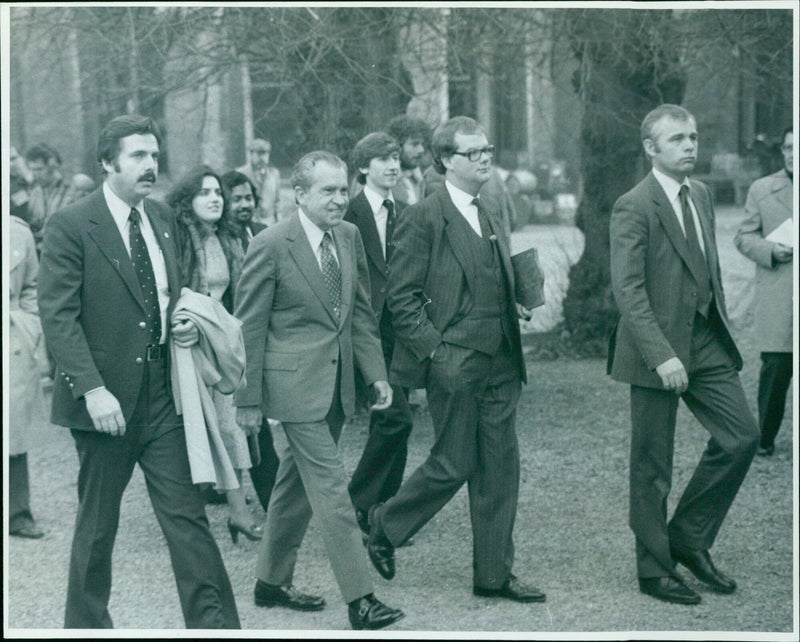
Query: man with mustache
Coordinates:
[672,342]
[456,326]
[108,282]
[374,211]
[412,134]
[307,321]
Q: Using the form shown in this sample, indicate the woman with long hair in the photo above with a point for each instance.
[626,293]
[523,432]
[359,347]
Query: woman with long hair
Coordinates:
[211,257]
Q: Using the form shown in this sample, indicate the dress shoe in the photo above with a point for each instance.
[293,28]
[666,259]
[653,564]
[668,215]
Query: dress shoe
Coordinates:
[379,548]
[271,595]
[252,532]
[28,530]
[700,564]
[513,589]
[362,517]
[766,451]
[668,589]
[369,612]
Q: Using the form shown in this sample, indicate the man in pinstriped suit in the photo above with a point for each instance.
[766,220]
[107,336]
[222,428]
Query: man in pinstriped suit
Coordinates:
[673,342]
[451,295]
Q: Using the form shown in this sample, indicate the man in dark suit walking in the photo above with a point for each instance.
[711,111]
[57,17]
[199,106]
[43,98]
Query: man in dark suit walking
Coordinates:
[303,302]
[451,295]
[374,212]
[109,279]
[672,342]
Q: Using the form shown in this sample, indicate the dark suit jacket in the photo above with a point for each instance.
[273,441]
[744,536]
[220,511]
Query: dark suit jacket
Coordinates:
[92,307]
[292,338]
[255,228]
[654,287]
[359,213]
[431,276]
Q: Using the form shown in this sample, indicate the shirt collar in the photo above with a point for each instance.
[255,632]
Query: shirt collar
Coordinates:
[461,199]
[670,185]
[313,233]
[119,209]
[375,199]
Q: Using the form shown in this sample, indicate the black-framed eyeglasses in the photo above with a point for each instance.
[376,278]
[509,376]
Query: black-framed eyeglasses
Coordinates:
[474,155]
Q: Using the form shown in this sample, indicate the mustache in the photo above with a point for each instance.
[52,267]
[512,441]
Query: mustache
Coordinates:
[149,175]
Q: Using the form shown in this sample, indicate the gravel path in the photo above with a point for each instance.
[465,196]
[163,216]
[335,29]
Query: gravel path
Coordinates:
[571,532]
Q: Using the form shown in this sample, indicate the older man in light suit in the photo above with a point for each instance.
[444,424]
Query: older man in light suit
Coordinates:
[673,342]
[304,303]
[768,206]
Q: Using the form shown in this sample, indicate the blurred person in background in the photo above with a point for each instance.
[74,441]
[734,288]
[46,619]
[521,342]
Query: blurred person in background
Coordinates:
[768,206]
[413,136]
[50,192]
[82,185]
[266,178]
[27,416]
[20,180]
[211,256]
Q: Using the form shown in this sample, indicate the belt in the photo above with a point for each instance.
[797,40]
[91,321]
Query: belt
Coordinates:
[155,353]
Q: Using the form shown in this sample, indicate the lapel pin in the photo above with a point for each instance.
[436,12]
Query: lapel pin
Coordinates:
[166,235]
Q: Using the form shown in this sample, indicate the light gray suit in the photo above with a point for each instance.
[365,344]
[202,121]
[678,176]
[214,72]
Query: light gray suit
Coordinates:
[300,372]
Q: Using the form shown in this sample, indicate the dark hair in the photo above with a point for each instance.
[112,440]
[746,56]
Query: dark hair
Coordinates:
[193,232]
[301,173]
[444,138]
[404,127]
[374,145]
[233,179]
[42,152]
[675,112]
[119,128]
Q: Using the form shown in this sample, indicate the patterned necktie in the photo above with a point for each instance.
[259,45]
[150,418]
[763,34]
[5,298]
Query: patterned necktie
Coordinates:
[331,273]
[147,278]
[486,231]
[389,228]
[696,254]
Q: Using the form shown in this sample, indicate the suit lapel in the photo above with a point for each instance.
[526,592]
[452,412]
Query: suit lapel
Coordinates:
[503,251]
[457,235]
[344,250]
[306,261]
[782,191]
[109,241]
[709,242]
[365,220]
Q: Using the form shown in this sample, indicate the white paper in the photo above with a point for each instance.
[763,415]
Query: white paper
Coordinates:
[783,234]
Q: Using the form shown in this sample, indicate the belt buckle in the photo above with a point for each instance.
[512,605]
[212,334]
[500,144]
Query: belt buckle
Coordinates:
[154,353]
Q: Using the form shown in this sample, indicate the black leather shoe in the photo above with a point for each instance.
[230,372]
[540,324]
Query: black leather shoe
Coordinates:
[668,589]
[379,548]
[271,595]
[369,612]
[362,517]
[700,564]
[29,531]
[513,589]
[765,451]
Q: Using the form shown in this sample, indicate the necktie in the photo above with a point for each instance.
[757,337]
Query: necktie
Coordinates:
[486,231]
[389,228]
[147,278]
[695,253]
[331,273]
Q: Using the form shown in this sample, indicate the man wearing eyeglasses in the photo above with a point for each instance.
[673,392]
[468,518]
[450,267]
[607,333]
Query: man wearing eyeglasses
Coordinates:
[267,180]
[768,208]
[451,295]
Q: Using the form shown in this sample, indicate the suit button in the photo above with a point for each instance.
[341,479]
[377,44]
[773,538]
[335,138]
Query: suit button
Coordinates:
[383,289]
[142,325]
[694,293]
[333,360]
[139,360]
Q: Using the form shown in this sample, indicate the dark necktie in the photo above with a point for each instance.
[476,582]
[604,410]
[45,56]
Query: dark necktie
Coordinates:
[331,273]
[147,277]
[695,253]
[389,228]
[486,231]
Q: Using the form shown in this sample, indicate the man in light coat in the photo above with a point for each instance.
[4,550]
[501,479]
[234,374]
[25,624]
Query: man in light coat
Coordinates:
[768,206]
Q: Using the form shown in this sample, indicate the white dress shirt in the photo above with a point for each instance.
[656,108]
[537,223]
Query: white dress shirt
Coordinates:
[314,236]
[463,203]
[120,212]
[672,188]
[380,213]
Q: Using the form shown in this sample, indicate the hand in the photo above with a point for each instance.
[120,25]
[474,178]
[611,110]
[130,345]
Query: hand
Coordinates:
[105,411]
[185,334]
[673,375]
[383,395]
[523,312]
[249,419]
[781,253]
